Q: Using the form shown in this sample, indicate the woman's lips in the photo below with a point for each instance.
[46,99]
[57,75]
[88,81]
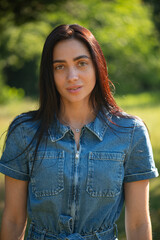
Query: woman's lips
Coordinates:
[74,89]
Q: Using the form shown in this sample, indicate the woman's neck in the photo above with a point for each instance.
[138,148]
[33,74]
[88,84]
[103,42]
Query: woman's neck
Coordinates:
[76,115]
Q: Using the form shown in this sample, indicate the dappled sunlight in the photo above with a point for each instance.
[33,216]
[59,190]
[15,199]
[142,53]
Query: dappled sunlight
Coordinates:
[135,101]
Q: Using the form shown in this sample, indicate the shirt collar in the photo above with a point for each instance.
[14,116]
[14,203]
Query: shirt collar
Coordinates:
[98,127]
[57,131]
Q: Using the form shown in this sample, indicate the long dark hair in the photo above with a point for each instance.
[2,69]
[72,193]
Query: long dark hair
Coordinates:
[101,97]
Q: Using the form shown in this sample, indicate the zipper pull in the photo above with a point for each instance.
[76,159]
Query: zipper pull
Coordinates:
[77,155]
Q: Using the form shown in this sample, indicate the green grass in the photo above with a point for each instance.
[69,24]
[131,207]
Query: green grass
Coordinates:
[147,106]
[144,105]
[7,114]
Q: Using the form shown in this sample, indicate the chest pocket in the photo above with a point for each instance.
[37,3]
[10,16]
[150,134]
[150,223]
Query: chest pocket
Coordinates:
[105,174]
[47,178]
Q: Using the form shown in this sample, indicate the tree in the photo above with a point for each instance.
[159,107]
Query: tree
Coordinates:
[27,11]
[124,29]
[155,6]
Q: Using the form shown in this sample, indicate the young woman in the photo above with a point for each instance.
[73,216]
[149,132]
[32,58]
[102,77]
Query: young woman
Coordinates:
[71,164]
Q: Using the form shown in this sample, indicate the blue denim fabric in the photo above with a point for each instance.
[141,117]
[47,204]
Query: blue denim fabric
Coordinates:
[78,194]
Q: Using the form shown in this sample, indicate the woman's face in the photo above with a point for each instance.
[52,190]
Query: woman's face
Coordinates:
[73,70]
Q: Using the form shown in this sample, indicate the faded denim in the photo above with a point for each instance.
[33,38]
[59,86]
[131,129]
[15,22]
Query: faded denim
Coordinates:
[79,194]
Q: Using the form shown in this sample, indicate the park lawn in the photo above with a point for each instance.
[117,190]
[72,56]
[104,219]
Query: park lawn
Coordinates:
[7,113]
[144,105]
[147,106]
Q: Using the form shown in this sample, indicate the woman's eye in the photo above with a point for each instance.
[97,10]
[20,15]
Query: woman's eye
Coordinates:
[82,64]
[59,67]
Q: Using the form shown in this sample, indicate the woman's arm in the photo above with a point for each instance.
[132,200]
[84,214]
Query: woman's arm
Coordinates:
[14,218]
[137,218]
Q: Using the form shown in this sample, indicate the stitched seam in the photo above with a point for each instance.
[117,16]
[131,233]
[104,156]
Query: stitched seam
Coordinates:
[13,169]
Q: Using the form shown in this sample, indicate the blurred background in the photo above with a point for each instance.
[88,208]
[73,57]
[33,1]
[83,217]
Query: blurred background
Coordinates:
[129,35]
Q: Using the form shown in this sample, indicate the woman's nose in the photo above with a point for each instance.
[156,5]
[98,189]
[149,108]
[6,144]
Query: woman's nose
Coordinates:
[72,74]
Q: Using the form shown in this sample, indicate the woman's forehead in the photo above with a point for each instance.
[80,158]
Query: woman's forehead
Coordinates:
[70,47]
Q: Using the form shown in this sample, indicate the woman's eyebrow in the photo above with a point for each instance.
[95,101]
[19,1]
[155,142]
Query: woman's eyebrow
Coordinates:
[81,56]
[75,59]
[58,61]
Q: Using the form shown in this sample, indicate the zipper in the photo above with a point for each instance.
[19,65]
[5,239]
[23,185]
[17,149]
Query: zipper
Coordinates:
[75,182]
[77,156]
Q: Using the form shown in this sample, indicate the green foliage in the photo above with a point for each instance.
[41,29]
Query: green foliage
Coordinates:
[156,12]
[129,42]
[123,28]
[25,11]
[10,93]
[21,48]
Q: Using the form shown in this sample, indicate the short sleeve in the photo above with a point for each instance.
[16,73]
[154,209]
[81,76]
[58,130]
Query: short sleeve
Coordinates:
[13,162]
[139,162]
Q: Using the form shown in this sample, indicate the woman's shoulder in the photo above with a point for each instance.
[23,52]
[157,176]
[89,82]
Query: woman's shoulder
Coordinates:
[24,121]
[127,120]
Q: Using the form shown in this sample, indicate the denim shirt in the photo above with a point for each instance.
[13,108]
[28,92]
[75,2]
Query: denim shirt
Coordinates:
[78,194]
